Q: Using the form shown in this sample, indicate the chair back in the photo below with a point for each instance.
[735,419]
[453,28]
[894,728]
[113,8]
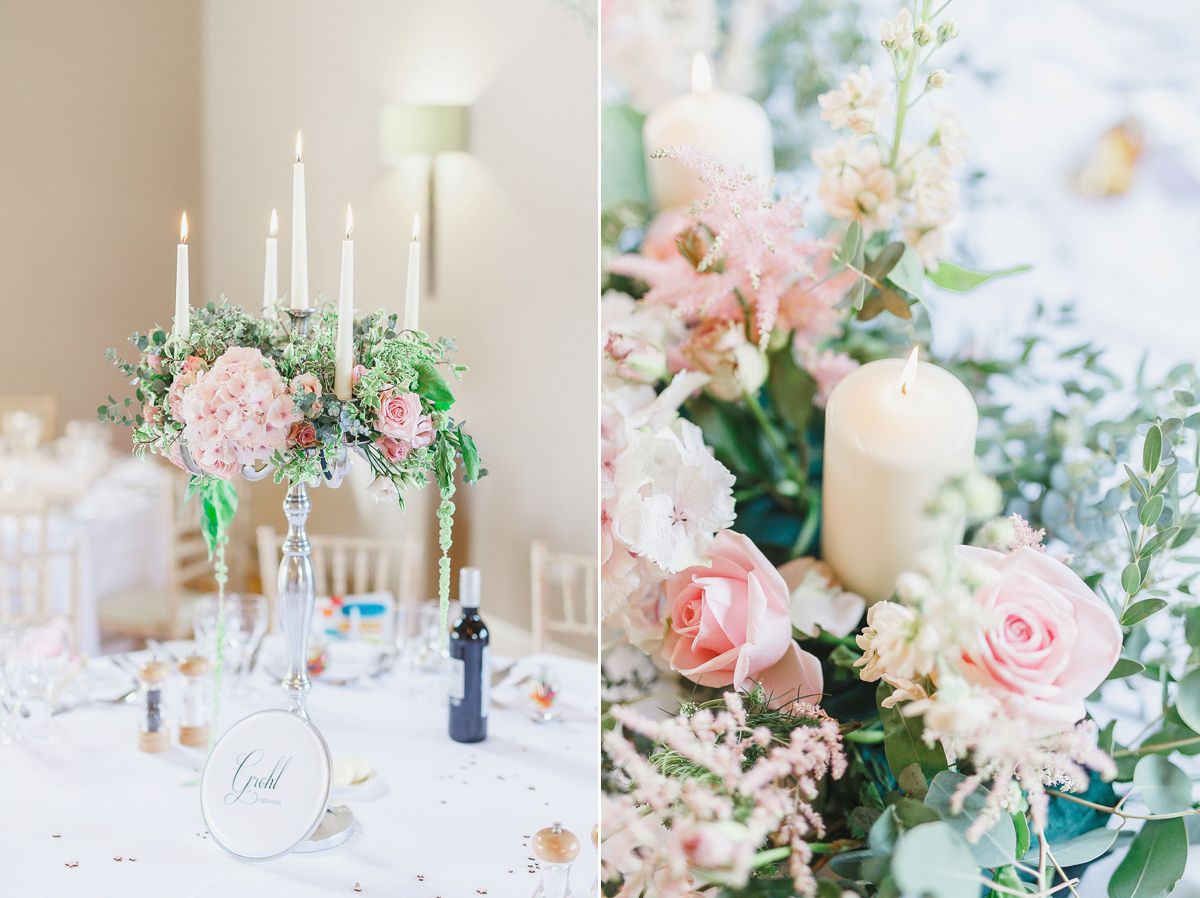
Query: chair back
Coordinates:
[564,594]
[346,565]
[33,576]
[21,417]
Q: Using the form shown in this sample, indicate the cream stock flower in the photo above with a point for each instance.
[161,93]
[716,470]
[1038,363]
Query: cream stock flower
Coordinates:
[858,102]
[861,188]
[897,33]
[895,645]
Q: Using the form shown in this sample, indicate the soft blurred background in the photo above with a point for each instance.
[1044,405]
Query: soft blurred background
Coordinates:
[1048,90]
[119,116]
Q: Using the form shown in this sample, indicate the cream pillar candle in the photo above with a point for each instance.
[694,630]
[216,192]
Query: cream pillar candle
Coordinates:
[344,359]
[731,127]
[412,293]
[894,433]
[299,235]
[271,272]
[183,308]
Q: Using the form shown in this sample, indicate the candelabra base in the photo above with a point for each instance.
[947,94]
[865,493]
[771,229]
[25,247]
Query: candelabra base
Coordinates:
[336,827]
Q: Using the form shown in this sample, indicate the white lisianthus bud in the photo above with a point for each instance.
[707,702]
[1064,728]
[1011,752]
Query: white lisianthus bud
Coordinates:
[742,372]
[983,495]
[897,33]
[382,488]
[924,34]
[937,78]
[947,31]
[998,534]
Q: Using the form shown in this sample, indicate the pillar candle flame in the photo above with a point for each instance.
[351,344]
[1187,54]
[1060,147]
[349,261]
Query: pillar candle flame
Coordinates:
[702,82]
[183,229]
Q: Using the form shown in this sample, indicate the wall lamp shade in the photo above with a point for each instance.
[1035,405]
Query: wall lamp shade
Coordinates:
[407,129]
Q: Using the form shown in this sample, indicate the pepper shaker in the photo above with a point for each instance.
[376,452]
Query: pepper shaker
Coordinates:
[154,732]
[556,848]
[193,728]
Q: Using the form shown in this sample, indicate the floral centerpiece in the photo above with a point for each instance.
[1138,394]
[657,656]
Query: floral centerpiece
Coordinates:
[949,739]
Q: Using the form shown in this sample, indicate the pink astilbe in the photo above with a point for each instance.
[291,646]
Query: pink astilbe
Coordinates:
[744,257]
[1003,750]
[700,809]
[1024,534]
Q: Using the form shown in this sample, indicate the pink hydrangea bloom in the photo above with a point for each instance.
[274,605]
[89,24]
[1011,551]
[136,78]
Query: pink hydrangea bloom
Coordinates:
[236,413]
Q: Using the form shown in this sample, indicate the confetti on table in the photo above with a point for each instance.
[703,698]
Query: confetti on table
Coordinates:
[56,836]
[117,858]
[357,887]
[72,863]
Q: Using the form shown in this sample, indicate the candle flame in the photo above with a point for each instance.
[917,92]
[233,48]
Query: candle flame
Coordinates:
[702,82]
[183,229]
[349,222]
[909,377]
[274,223]
[298,146]
[416,226]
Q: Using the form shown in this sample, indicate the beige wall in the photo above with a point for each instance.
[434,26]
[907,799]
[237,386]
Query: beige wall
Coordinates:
[518,230]
[99,153]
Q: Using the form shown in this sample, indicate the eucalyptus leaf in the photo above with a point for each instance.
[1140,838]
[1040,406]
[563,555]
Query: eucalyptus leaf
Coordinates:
[1078,850]
[1151,511]
[1187,699]
[1155,862]
[1152,449]
[909,274]
[998,845]
[934,860]
[949,276]
[1139,611]
[1164,787]
[1131,579]
[1125,667]
[885,260]
[913,781]
[851,243]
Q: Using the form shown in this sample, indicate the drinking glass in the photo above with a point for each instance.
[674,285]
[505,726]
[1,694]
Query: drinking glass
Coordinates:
[10,705]
[245,623]
[44,657]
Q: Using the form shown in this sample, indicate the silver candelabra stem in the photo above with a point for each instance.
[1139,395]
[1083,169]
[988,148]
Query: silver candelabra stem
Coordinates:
[297,595]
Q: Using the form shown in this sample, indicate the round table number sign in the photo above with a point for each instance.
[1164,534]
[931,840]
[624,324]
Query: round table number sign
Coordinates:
[266,785]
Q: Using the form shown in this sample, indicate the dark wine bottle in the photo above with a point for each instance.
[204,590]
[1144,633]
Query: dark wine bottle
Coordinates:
[470,665]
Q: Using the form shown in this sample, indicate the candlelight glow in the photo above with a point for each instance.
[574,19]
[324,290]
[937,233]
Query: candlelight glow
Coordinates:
[416,226]
[701,74]
[183,229]
[349,222]
[297,146]
[274,223]
[909,376]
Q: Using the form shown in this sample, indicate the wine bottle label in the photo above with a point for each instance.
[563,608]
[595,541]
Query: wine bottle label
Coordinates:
[485,681]
[458,680]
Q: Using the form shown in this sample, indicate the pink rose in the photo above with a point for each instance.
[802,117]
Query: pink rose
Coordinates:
[393,450]
[356,374]
[731,624]
[399,414]
[1051,643]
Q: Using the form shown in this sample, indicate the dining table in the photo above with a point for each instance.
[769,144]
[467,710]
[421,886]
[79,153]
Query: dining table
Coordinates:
[86,813]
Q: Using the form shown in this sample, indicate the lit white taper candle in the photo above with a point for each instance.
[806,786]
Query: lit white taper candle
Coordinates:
[895,432]
[299,235]
[271,273]
[344,360]
[412,294]
[183,323]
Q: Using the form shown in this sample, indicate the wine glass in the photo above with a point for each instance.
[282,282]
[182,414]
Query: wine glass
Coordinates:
[247,632]
[44,657]
[10,708]
[245,624]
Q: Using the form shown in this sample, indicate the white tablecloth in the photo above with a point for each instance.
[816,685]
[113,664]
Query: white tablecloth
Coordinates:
[451,820]
[116,519]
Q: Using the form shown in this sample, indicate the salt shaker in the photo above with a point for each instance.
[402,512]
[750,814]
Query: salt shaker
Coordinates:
[556,848]
[154,733]
[193,727]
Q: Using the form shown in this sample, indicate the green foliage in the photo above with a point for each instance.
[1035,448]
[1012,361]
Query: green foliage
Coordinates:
[1163,786]
[902,740]
[1155,862]
[934,860]
[998,846]
[949,276]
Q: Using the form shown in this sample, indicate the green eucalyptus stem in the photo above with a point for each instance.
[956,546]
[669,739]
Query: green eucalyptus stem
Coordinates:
[1156,747]
[1125,815]
[776,439]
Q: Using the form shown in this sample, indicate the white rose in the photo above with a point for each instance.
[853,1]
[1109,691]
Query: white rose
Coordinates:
[382,488]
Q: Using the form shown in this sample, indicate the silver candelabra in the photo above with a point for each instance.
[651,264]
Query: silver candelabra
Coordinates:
[297,592]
